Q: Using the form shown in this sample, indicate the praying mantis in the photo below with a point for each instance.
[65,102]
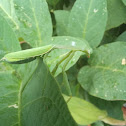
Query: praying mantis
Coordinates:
[28,55]
[25,55]
[20,56]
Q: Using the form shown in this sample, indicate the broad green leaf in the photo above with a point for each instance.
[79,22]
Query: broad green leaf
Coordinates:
[88,20]
[8,11]
[56,55]
[9,86]
[83,112]
[113,108]
[124,1]
[31,20]
[115,7]
[122,37]
[62,17]
[105,75]
[43,94]
[35,21]
[8,40]
[33,100]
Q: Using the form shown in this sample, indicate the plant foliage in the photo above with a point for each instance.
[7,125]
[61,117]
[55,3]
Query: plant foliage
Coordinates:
[62,62]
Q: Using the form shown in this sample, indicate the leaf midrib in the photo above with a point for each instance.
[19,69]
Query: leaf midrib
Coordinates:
[36,22]
[86,21]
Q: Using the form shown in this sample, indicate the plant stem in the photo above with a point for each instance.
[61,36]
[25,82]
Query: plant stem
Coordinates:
[65,78]
[66,83]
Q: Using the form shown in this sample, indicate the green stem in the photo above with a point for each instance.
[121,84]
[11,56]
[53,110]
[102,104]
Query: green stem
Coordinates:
[66,83]
[65,78]
[114,122]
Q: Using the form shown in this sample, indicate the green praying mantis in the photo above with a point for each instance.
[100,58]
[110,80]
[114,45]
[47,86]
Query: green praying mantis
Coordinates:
[25,55]
[28,55]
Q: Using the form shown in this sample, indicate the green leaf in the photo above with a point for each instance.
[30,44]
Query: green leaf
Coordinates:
[30,19]
[83,112]
[8,11]
[42,95]
[8,40]
[114,112]
[122,37]
[33,100]
[88,20]
[124,1]
[56,55]
[62,17]
[115,7]
[105,75]
[9,86]
[35,21]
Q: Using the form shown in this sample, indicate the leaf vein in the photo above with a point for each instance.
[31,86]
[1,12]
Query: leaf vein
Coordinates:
[36,22]
[86,21]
